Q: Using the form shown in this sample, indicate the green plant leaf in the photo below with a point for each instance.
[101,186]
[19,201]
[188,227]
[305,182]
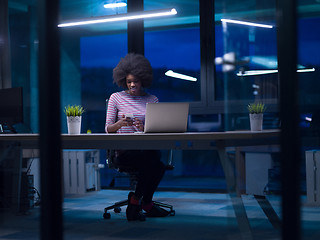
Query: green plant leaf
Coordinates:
[73,110]
[255,108]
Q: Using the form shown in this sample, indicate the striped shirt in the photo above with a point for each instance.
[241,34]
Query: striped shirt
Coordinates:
[121,103]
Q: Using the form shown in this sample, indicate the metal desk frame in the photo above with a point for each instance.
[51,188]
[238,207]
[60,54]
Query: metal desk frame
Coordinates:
[184,141]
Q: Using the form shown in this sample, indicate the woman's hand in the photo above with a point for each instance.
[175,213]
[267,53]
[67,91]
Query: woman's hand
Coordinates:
[139,124]
[125,121]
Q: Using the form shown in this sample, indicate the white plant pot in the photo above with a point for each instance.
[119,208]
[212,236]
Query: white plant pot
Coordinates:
[256,121]
[74,125]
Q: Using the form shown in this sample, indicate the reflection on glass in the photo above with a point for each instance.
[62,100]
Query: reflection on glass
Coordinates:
[99,55]
[245,72]
[243,46]
[309,102]
[177,52]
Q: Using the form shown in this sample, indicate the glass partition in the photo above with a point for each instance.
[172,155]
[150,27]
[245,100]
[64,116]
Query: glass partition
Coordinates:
[246,72]
[309,111]
[19,186]
[98,56]
[88,55]
[23,57]
[177,52]
[246,60]
[173,47]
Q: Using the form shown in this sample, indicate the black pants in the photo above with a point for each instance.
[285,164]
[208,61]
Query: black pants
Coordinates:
[149,167]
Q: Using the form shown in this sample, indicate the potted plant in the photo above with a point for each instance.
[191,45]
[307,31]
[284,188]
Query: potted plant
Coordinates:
[74,113]
[256,111]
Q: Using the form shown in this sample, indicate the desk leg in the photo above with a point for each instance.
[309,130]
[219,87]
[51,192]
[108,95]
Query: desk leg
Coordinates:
[269,211]
[17,176]
[237,203]
[11,158]
[241,172]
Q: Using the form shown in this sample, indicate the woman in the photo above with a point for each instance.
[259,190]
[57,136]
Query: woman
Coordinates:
[126,113]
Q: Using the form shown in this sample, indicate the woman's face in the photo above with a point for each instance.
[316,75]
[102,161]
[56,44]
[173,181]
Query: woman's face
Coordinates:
[134,85]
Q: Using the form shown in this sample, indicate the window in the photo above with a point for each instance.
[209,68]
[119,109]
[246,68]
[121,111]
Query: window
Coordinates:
[309,108]
[99,55]
[252,56]
[245,61]
[178,51]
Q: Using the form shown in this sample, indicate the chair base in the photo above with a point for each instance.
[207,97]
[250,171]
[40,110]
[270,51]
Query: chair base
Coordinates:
[117,208]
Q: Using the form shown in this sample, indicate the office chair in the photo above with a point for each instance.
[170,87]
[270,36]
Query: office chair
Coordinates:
[132,172]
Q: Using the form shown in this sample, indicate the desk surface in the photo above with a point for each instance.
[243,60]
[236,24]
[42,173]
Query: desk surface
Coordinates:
[188,140]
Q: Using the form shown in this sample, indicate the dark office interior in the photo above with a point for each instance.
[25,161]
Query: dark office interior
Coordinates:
[44,68]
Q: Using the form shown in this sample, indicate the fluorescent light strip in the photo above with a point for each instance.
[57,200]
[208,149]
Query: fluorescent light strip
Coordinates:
[308,119]
[261,72]
[121,17]
[256,72]
[115,5]
[246,23]
[171,73]
[306,70]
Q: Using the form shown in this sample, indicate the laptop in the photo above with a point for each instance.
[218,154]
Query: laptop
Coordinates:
[166,117]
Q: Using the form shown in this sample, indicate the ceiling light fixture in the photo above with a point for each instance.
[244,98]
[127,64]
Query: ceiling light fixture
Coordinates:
[246,23]
[171,73]
[115,5]
[261,72]
[309,119]
[255,72]
[120,17]
[306,70]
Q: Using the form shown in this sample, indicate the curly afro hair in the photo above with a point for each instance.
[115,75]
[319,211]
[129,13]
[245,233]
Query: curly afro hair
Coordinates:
[134,64]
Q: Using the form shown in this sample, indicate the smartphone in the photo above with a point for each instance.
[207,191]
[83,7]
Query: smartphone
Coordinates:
[129,116]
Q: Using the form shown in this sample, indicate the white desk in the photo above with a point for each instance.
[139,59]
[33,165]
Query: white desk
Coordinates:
[186,141]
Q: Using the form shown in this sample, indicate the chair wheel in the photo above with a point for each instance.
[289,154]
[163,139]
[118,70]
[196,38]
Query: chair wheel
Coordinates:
[117,209]
[142,217]
[106,215]
[172,213]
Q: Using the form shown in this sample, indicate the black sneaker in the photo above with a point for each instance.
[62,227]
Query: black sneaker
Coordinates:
[134,212]
[157,211]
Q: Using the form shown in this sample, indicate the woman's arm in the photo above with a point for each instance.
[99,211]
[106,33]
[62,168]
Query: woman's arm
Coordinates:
[112,128]
[112,124]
